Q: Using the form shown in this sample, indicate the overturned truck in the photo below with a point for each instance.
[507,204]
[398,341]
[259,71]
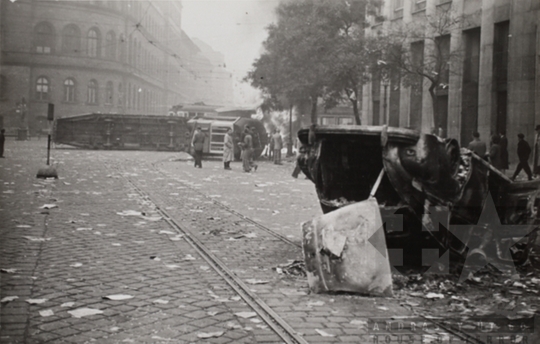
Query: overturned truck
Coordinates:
[433,196]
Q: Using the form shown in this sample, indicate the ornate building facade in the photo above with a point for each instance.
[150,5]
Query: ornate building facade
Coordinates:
[95,56]
[491,85]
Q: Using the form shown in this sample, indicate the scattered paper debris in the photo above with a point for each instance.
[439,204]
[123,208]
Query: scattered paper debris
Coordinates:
[324,334]
[161,302]
[177,237]
[166,232]
[116,244]
[67,304]
[114,329]
[256,281]
[358,322]
[48,206]
[118,297]
[172,266]
[8,271]
[83,312]
[210,334]
[84,229]
[211,313]
[189,257]
[46,313]
[8,299]
[246,315]
[156,258]
[24,226]
[382,308]
[255,320]
[434,296]
[205,268]
[35,301]
[315,303]
[76,265]
[232,325]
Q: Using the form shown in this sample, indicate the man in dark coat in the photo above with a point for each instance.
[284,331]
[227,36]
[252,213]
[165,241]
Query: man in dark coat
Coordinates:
[478,146]
[523,151]
[198,144]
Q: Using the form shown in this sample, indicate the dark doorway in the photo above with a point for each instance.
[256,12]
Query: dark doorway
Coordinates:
[471,71]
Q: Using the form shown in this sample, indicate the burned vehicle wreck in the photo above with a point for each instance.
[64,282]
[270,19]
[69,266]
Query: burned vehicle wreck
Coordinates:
[432,194]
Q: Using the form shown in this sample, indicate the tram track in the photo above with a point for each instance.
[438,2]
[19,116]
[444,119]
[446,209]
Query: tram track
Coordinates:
[265,312]
[269,316]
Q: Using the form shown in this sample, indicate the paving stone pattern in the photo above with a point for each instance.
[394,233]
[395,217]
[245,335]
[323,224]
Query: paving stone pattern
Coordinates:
[91,252]
[87,251]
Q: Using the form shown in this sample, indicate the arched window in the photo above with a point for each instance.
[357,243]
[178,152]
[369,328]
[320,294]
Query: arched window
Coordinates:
[44,38]
[71,39]
[42,88]
[110,45]
[91,94]
[93,43]
[109,93]
[69,90]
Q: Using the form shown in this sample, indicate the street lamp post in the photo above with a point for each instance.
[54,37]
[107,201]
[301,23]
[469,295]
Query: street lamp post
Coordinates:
[48,171]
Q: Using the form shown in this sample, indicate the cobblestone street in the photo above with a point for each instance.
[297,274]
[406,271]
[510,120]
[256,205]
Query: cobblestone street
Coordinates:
[100,240]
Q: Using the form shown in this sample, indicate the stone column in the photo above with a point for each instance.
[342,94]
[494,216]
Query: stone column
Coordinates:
[487,117]
[456,77]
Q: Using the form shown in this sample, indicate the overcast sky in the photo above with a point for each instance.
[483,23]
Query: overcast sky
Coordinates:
[235,28]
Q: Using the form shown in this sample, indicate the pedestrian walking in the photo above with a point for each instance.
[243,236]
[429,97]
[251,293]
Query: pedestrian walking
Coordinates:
[278,145]
[271,146]
[2,141]
[523,152]
[536,152]
[228,149]
[198,144]
[247,161]
[477,146]
[495,152]
[504,151]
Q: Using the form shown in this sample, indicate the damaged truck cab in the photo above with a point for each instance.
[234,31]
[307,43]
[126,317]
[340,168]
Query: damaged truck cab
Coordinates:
[433,193]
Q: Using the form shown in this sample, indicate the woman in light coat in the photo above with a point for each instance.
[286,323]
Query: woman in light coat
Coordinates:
[228,149]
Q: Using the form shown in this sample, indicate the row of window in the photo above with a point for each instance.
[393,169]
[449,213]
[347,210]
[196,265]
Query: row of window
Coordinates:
[324,120]
[43,91]
[137,55]
[133,97]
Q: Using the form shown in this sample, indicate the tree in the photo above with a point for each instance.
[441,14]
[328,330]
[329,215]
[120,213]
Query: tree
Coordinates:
[419,52]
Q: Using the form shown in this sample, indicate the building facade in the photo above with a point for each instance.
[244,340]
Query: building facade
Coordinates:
[94,56]
[492,83]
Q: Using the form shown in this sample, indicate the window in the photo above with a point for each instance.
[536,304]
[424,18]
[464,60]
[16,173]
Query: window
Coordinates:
[109,93]
[92,47]
[110,45]
[91,95]
[327,120]
[44,38]
[71,39]
[346,120]
[120,94]
[419,5]
[69,90]
[42,88]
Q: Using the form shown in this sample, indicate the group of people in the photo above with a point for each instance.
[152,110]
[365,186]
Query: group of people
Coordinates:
[498,153]
[275,146]
[245,144]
